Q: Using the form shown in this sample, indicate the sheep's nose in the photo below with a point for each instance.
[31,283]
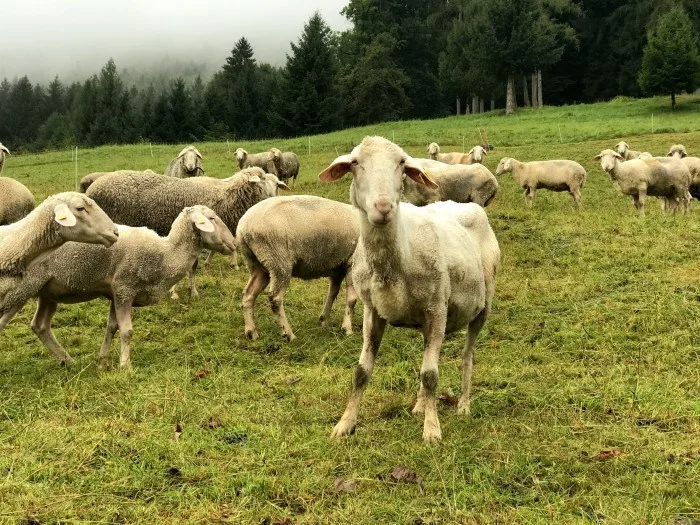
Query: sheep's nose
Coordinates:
[383,206]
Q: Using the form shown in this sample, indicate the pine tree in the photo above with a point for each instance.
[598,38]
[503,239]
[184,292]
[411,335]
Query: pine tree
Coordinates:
[242,98]
[671,63]
[180,107]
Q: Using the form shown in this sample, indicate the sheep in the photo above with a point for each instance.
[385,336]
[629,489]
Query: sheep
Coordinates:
[60,218]
[640,178]
[693,164]
[267,160]
[287,164]
[624,150]
[298,236]
[16,202]
[553,175]
[88,179]
[475,155]
[431,268]
[155,200]
[188,163]
[136,271]
[459,183]
[4,152]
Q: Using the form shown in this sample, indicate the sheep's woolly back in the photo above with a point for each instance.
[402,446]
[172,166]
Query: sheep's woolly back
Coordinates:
[88,179]
[155,200]
[16,200]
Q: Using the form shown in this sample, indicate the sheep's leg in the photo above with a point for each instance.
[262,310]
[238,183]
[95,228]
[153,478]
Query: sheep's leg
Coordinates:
[334,283]
[433,335]
[112,326]
[468,359]
[256,284]
[123,315]
[234,258]
[210,256]
[41,325]
[372,332]
[9,315]
[576,195]
[173,293]
[639,202]
[350,300]
[278,285]
[529,196]
[194,294]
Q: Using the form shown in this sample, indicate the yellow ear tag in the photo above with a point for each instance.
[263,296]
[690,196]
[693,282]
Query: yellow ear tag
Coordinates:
[427,173]
[202,220]
[62,217]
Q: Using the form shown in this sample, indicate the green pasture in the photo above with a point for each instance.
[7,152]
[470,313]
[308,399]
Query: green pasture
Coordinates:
[586,398]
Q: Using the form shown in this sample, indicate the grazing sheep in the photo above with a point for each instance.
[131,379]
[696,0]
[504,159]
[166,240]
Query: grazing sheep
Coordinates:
[155,200]
[3,154]
[267,160]
[431,268]
[459,183]
[16,200]
[60,218]
[188,163]
[298,236]
[692,163]
[624,150]
[287,164]
[640,178]
[88,179]
[137,271]
[553,175]
[475,155]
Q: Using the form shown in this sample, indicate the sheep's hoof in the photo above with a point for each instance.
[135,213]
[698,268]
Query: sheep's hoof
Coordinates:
[67,361]
[194,294]
[419,407]
[347,329]
[289,337]
[343,429]
[463,407]
[174,296]
[322,320]
[432,435]
[103,364]
[252,335]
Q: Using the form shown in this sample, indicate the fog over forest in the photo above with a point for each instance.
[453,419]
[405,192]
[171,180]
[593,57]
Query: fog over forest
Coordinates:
[74,38]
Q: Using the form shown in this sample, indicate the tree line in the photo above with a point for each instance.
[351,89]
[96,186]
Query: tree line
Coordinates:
[401,59]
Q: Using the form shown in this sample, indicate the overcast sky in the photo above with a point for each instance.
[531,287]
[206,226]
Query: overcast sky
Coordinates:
[73,38]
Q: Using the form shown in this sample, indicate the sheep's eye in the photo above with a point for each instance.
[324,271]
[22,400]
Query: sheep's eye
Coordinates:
[403,161]
[353,162]
[80,208]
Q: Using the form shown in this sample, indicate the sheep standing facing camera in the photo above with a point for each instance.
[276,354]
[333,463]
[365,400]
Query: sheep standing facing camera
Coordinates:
[188,163]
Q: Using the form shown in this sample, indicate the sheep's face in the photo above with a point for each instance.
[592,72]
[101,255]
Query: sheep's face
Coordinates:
[241,154]
[214,233]
[622,148]
[433,149]
[379,168]
[272,185]
[477,153]
[504,166]
[608,159]
[189,161]
[276,154]
[678,151]
[78,218]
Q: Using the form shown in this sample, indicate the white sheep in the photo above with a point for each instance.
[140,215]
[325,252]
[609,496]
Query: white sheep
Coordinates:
[692,163]
[16,201]
[475,155]
[553,175]
[640,178]
[624,150]
[60,218]
[3,154]
[267,160]
[456,182]
[188,163]
[138,270]
[287,164]
[90,178]
[431,268]
[298,236]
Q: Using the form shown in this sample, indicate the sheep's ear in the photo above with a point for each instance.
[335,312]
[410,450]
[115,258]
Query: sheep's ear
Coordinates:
[470,151]
[669,154]
[4,148]
[598,157]
[196,152]
[182,153]
[337,169]
[415,172]
[201,222]
[281,185]
[63,215]
[486,151]
[254,178]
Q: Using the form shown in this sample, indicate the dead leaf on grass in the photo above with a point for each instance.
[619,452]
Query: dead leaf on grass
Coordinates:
[201,374]
[289,381]
[607,455]
[403,473]
[344,486]
[449,400]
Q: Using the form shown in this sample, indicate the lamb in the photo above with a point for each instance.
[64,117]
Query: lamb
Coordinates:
[137,271]
[16,202]
[624,150]
[640,178]
[553,175]
[287,164]
[692,163]
[188,163]
[155,200]
[60,218]
[298,236]
[459,183]
[475,155]
[267,160]
[88,179]
[4,152]
[431,268]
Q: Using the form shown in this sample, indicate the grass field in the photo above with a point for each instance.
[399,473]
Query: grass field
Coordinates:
[586,400]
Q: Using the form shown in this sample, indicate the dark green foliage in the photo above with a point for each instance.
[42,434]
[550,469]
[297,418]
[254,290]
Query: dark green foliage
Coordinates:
[671,63]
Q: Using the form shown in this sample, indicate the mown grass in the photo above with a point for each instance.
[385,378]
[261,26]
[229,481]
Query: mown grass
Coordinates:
[592,346]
